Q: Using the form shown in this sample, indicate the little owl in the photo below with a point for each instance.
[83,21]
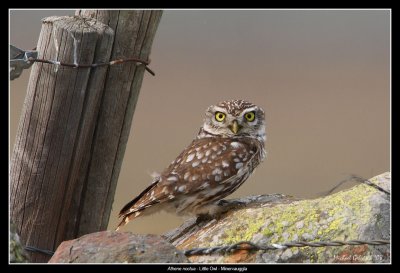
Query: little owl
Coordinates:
[228,147]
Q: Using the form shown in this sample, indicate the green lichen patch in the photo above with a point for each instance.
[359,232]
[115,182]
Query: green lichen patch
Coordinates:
[340,216]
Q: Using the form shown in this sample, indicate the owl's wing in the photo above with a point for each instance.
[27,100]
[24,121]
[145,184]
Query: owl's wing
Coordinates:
[203,166]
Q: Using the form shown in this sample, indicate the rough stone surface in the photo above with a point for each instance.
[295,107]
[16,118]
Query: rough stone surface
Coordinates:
[17,252]
[359,213]
[117,247]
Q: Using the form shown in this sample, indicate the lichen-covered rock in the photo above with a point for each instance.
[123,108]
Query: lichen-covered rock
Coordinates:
[117,247]
[17,252]
[360,213]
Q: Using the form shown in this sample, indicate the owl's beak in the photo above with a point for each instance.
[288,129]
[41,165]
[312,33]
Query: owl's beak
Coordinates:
[235,127]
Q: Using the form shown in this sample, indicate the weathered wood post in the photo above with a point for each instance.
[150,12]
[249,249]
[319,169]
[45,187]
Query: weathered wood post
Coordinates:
[55,128]
[134,35]
[67,154]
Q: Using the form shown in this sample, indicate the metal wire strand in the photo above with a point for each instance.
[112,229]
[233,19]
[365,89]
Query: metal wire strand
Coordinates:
[358,179]
[369,183]
[38,250]
[119,61]
[249,246]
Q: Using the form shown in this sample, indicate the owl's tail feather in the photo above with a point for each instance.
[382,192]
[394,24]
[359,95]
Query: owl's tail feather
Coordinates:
[135,212]
[127,208]
[135,207]
[127,218]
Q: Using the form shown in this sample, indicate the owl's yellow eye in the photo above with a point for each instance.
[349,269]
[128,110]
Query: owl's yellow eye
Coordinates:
[250,116]
[219,116]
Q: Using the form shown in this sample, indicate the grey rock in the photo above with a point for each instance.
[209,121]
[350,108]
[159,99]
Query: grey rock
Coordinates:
[117,247]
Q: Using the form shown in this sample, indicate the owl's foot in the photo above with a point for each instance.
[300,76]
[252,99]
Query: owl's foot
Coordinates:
[217,210]
[226,205]
[204,218]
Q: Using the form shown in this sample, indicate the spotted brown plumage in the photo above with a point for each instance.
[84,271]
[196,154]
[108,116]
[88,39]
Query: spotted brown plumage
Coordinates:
[228,147]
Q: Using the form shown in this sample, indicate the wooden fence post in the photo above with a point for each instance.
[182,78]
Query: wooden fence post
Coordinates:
[59,190]
[134,34]
[55,127]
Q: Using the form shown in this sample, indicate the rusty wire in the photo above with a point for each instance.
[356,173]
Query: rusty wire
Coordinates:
[249,246]
[38,250]
[369,183]
[114,62]
[358,179]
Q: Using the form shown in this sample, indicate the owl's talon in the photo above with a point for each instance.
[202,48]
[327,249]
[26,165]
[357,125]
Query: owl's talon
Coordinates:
[203,217]
[222,203]
[230,203]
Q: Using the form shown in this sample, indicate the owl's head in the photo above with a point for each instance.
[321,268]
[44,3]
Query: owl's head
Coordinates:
[234,118]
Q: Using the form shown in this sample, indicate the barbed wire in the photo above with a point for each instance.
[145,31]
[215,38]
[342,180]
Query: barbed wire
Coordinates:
[38,250]
[114,62]
[369,183]
[23,59]
[359,179]
[249,246]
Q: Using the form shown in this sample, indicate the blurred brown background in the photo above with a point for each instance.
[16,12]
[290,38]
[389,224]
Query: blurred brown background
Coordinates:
[323,78]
